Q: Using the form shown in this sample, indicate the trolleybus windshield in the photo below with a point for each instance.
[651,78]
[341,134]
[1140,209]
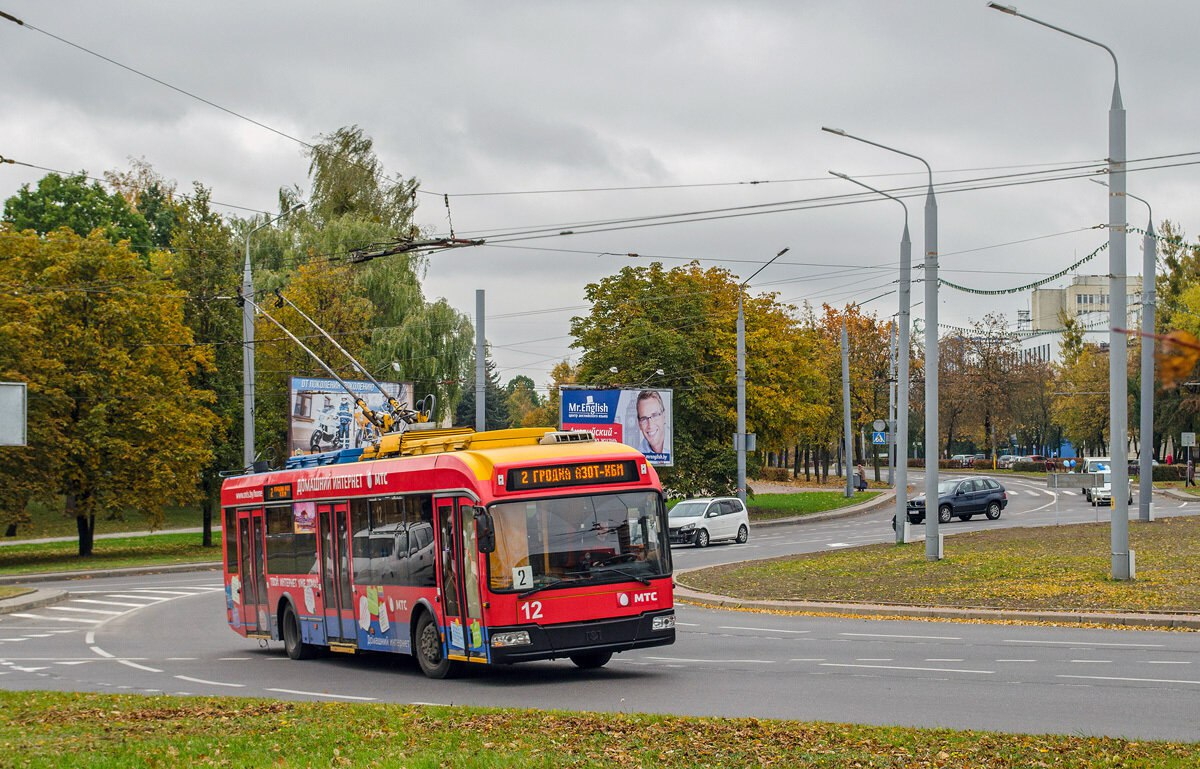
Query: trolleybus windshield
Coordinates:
[563,541]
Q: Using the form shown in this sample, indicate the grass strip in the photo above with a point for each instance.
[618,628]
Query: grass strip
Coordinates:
[1048,568]
[156,550]
[765,507]
[45,729]
[50,521]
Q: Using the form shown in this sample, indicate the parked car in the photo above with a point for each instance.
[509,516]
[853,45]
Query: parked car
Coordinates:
[1005,461]
[1102,493]
[961,498]
[701,521]
[961,460]
[979,460]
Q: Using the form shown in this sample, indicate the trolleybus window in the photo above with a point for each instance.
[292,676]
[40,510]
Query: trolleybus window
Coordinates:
[603,537]
[230,533]
[393,541]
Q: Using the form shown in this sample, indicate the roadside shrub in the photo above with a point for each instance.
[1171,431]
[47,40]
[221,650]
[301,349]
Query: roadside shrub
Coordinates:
[1029,467]
[1170,472]
[778,474]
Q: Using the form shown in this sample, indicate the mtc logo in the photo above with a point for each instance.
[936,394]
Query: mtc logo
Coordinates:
[645,597]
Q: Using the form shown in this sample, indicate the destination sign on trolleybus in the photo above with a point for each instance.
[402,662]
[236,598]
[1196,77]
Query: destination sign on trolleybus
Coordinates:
[574,474]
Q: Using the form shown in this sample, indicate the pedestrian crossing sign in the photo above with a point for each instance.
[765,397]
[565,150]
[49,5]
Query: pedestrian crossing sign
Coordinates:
[879,439]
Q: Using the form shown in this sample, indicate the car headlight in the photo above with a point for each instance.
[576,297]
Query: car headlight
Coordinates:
[687,527]
[663,623]
[514,638]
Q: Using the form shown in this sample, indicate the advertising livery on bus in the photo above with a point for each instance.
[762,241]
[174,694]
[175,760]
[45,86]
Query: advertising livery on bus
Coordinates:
[453,546]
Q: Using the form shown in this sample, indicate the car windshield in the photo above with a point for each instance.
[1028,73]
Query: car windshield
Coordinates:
[569,540]
[688,510]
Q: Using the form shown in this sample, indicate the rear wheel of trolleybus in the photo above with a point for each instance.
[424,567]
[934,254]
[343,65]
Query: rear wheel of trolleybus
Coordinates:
[293,640]
[591,660]
[428,648]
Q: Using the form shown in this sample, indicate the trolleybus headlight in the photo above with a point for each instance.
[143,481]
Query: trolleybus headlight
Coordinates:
[515,638]
[663,623]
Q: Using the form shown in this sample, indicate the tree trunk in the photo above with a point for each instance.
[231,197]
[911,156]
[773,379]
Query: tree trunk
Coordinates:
[85,524]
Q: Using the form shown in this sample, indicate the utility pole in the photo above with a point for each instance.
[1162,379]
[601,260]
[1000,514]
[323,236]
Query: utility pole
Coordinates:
[480,365]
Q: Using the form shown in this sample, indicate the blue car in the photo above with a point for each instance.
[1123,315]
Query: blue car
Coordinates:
[962,498]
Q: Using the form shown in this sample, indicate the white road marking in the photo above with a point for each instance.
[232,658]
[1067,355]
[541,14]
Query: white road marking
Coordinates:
[323,694]
[127,663]
[715,662]
[874,659]
[1105,662]
[109,603]
[885,635]
[232,659]
[151,592]
[838,544]
[1081,643]
[1134,680]
[944,659]
[210,683]
[807,659]
[1016,660]
[57,619]
[901,667]
[761,629]
[109,612]
[1164,662]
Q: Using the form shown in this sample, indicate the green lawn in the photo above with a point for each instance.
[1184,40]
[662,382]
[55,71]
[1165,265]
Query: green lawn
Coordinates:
[1056,567]
[42,729]
[765,507]
[49,521]
[121,552]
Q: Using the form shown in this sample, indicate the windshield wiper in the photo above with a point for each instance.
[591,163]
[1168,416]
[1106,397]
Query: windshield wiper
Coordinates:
[540,588]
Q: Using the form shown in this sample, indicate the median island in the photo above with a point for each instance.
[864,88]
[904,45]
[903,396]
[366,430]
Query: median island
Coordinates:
[1045,568]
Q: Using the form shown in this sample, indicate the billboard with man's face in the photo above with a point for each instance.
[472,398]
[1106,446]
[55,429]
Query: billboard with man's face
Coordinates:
[324,416]
[638,418]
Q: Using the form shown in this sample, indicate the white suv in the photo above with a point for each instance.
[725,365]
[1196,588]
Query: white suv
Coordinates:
[700,521]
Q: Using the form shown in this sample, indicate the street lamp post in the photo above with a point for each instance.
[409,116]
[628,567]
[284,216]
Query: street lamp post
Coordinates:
[933,540]
[248,346]
[1118,411]
[1146,427]
[739,439]
[902,349]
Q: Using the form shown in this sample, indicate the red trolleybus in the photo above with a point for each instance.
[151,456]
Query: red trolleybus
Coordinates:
[456,547]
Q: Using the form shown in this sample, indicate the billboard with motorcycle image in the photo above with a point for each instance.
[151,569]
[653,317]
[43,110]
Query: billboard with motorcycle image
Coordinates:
[324,417]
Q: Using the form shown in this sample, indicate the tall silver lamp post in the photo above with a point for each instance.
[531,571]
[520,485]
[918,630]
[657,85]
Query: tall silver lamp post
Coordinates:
[248,346]
[739,440]
[1123,566]
[902,349]
[1146,428]
[933,539]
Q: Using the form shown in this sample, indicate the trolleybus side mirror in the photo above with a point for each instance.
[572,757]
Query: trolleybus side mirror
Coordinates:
[485,532]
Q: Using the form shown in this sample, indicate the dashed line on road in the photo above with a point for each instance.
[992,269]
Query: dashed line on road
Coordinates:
[903,667]
[327,694]
[761,629]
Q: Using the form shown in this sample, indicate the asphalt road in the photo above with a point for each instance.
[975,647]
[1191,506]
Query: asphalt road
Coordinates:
[167,634]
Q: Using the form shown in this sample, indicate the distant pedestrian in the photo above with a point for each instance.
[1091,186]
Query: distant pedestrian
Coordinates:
[860,477]
[1191,473]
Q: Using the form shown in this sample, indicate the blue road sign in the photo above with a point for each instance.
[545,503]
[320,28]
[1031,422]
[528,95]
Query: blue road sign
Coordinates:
[879,439]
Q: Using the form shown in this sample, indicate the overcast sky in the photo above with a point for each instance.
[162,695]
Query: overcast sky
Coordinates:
[624,110]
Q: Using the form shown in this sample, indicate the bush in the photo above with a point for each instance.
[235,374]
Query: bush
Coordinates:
[1170,472]
[778,474]
[1029,467]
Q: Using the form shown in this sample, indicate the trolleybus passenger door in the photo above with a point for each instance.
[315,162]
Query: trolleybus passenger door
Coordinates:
[458,578]
[255,617]
[333,528]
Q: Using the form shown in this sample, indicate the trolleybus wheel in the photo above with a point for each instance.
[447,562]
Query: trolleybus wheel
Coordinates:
[591,660]
[293,639]
[429,649]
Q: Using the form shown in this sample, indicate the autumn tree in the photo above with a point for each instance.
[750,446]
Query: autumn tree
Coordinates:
[130,430]
[683,321]
[69,201]
[522,401]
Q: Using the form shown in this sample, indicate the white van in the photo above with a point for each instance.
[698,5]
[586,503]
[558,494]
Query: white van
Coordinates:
[1095,465]
[700,521]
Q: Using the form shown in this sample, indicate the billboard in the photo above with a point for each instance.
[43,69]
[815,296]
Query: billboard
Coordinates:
[324,417]
[638,418]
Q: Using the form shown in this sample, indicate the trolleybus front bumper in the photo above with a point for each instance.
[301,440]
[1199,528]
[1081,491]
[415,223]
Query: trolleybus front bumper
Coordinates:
[547,642]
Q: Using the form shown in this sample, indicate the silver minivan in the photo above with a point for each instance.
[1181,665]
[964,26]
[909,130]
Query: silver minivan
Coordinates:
[709,519]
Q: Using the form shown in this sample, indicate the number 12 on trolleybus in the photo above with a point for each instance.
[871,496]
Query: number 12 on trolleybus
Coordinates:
[454,546]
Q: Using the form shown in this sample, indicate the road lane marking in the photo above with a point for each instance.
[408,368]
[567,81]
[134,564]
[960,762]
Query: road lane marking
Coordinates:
[886,635]
[717,662]
[874,659]
[1104,662]
[109,612]
[127,663]
[1081,643]
[109,603]
[1164,662]
[944,659]
[317,694]
[58,619]
[1016,660]
[1134,680]
[838,544]
[210,683]
[760,629]
[807,659]
[903,667]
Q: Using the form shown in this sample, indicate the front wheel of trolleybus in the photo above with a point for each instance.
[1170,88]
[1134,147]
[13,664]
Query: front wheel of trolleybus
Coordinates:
[293,640]
[591,660]
[428,644]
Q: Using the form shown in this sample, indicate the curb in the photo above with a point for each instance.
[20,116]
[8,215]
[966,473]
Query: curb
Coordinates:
[34,600]
[884,498]
[1162,621]
[133,571]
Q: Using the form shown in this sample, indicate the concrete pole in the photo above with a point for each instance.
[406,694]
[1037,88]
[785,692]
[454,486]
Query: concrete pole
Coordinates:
[740,438]
[480,365]
[847,437]
[1146,455]
[933,540]
[891,474]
